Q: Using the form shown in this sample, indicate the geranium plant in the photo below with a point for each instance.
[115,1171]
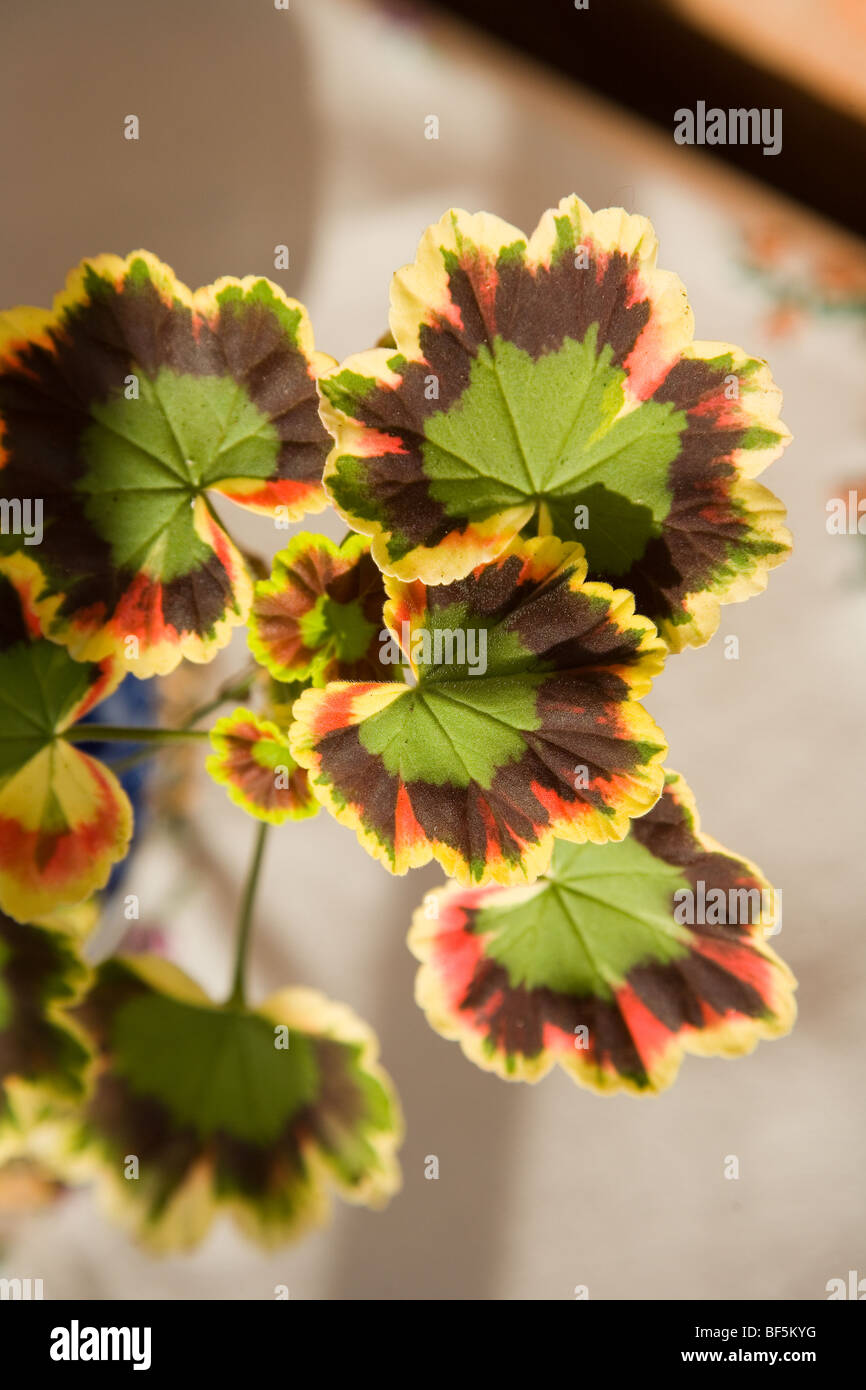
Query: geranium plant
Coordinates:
[550,488]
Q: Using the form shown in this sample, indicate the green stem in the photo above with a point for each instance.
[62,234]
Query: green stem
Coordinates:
[129,733]
[132,760]
[236,689]
[237,997]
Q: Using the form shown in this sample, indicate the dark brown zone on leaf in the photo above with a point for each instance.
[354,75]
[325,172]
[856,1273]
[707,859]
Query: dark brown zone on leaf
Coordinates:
[539,612]
[535,307]
[666,832]
[31,1045]
[690,550]
[249,340]
[129,1123]
[45,403]
[195,601]
[339,1095]
[13,627]
[397,480]
[569,711]
[594,637]
[514,1018]
[167,1151]
[673,992]
[492,593]
[538,309]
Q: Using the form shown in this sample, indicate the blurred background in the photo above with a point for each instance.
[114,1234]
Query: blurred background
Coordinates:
[305,127]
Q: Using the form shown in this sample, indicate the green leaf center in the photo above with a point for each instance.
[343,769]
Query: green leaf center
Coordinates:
[217,1071]
[149,456]
[454,732]
[340,629]
[600,911]
[555,429]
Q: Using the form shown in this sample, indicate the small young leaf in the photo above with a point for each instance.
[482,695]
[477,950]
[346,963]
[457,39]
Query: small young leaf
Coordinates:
[254,763]
[319,616]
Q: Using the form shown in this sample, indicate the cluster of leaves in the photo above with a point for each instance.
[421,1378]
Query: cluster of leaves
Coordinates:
[550,487]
